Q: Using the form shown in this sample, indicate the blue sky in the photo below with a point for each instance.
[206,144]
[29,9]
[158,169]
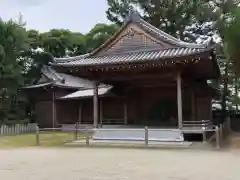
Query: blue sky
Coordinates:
[76,15]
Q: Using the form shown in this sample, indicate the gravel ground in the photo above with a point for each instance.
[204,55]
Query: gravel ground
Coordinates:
[117,164]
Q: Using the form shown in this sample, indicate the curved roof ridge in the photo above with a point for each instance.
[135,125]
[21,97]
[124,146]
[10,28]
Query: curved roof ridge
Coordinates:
[73,58]
[52,74]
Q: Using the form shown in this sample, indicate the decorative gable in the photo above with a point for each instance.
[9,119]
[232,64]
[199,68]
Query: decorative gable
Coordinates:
[132,39]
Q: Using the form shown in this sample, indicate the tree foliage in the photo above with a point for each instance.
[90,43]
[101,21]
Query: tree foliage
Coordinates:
[61,42]
[189,20]
[226,27]
[99,34]
[13,42]
[231,36]
[58,42]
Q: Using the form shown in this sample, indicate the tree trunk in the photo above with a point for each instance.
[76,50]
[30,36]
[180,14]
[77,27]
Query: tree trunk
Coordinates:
[225,92]
[236,92]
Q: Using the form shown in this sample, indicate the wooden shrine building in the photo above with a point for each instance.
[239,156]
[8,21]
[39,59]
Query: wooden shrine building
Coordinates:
[141,77]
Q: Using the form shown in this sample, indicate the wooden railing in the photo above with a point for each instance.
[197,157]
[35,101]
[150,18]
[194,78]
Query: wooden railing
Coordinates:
[199,124]
[17,129]
[113,121]
[218,133]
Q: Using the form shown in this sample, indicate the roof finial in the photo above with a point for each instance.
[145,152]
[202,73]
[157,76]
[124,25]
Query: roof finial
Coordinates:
[133,16]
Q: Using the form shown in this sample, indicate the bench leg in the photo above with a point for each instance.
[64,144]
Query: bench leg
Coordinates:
[204,137]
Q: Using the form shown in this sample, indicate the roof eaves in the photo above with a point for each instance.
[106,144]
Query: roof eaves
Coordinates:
[69,59]
[132,61]
[38,85]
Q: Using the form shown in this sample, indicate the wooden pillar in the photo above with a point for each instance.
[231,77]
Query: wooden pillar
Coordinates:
[95,105]
[179,101]
[101,112]
[210,110]
[193,106]
[80,113]
[125,109]
[53,110]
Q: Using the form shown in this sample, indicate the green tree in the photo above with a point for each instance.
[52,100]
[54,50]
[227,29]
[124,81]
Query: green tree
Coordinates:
[61,42]
[229,84]
[227,28]
[99,34]
[185,19]
[13,42]
[58,42]
[231,38]
[34,61]
[44,46]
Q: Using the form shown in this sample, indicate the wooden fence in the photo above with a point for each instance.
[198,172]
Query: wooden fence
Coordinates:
[16,129]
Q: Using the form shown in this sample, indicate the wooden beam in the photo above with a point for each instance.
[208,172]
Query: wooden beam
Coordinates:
[80,120]
[125,108]
[136,76]
[193,105]
[151,84]
[179,101]
[53,110]
[95,105]
[210,108]
[101,112]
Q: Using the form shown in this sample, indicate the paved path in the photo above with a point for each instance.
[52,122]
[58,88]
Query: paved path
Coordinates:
[117,164]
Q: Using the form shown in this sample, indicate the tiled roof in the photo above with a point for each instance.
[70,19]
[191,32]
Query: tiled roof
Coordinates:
[133,57]
[179,48]
[51,74]
[86,93]
[66,80]
[68,59]
[63,80]
[72,81]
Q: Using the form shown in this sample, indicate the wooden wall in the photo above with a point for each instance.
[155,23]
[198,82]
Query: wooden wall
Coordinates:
[139,108]
[87,111]
[204,109]
[43,113]
[67,112]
